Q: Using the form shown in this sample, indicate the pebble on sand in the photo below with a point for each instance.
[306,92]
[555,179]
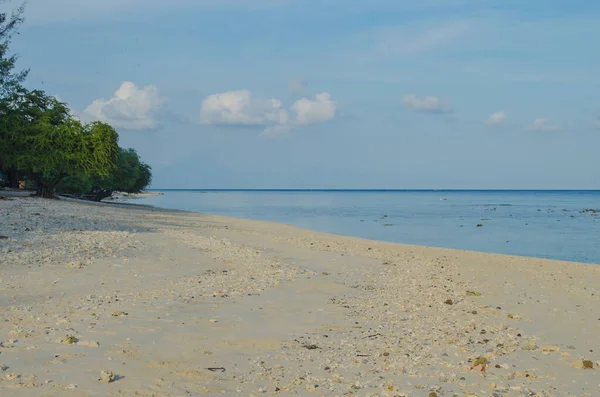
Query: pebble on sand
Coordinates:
[106,376]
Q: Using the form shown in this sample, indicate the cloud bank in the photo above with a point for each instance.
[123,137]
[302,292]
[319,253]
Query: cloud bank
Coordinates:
[240,108]
[243,109]
[131,107]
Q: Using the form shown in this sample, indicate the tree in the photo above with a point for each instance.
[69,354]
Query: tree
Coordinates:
[67,149]
[10,81]
[129,175]
[42,141]
[22,114]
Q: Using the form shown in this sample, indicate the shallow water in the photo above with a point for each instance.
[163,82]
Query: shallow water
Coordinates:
[546,224]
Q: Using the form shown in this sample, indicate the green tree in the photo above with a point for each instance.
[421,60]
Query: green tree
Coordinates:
[10,82]
[67,149]
[129,175]
[22,116]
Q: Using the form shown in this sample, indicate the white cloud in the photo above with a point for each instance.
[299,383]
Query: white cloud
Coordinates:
[426,104]
[239,108]
[321,109]
[542,125]
[242,109]
[497,119]
[597,122]
[131,107]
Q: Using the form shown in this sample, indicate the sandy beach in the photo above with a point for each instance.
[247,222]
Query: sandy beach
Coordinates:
[127,301]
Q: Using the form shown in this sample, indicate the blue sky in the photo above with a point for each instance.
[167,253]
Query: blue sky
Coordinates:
[332,94]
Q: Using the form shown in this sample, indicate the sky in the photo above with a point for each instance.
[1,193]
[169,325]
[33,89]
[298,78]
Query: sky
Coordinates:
[378,94]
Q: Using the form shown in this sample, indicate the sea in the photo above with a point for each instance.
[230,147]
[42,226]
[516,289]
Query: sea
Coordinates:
[546,224]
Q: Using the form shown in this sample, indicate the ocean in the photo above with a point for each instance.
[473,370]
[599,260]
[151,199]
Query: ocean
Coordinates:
[544,224]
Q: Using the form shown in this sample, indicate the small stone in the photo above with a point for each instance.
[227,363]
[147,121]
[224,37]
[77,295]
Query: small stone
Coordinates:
[528,346]
[106,376]
[70,340]
[386,354]
[212,320]
[449,302]
[433,394]
[551,348]
[119,314]
[588,364]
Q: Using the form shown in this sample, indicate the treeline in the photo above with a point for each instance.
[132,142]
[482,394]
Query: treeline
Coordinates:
[46,147]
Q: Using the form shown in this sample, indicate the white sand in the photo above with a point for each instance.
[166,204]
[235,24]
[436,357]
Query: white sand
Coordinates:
[156,298]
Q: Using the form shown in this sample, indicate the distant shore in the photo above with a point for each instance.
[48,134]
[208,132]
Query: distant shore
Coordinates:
[174,303]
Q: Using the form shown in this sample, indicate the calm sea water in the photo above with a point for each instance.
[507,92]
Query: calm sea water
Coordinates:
[545,224]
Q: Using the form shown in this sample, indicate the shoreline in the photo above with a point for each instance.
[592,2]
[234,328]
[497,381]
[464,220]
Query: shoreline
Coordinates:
[147,207]
[225,217]
[159,296]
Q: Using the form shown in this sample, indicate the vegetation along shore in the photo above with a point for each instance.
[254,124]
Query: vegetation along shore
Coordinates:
[46,148]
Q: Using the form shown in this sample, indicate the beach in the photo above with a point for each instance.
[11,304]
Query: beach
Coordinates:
[130,301]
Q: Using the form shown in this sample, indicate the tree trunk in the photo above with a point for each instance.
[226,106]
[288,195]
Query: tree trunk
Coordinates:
[45,191]
[13,178]
[101,195]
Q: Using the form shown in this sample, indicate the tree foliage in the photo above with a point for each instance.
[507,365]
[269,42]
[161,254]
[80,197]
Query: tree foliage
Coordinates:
[129,175]
[21,116]
[67,149]
[41,140]
[10,81]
